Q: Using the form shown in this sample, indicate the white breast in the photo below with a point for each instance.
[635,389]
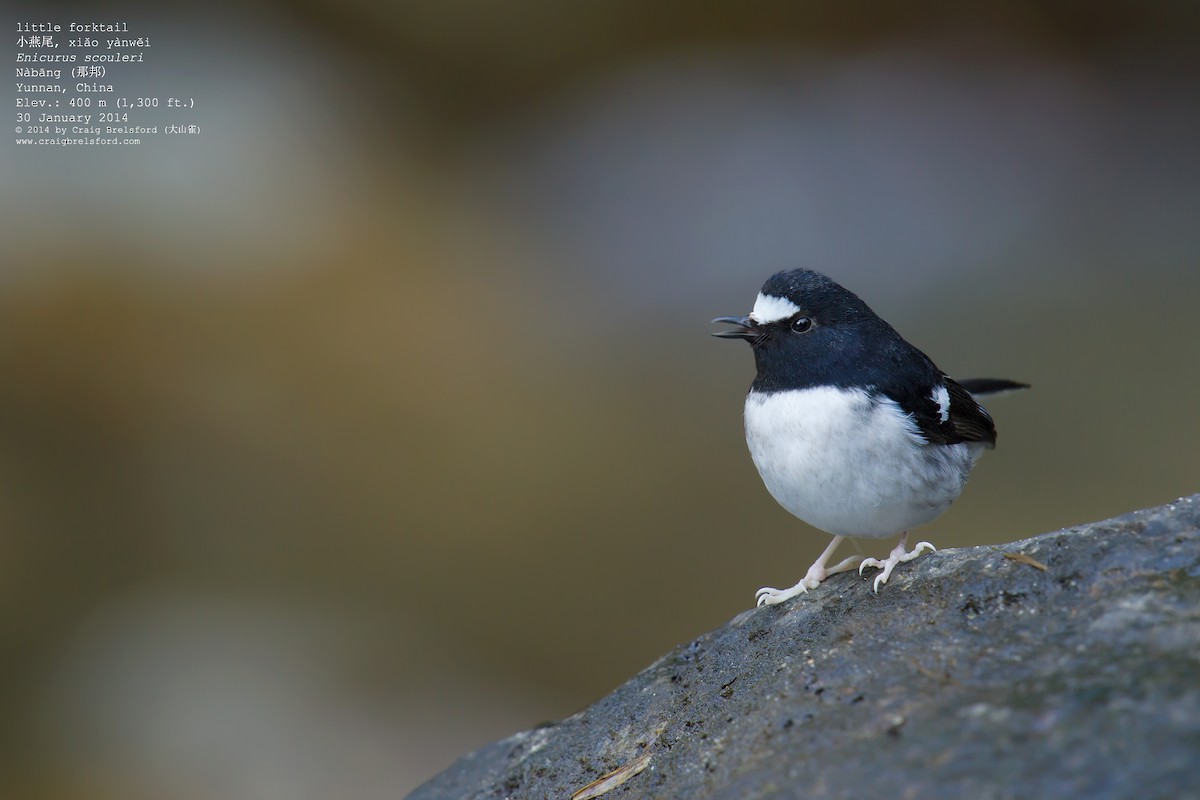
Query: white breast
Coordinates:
[850,464]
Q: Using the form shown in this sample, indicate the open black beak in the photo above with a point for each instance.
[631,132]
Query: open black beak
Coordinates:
[748,328]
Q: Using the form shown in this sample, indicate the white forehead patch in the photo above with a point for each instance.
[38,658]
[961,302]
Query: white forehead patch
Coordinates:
[942,398]
[768,308]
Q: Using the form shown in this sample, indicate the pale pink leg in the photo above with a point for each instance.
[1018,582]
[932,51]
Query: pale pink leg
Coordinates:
[816,573]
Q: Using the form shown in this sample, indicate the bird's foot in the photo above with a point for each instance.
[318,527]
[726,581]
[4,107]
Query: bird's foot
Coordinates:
[899,554]
[767,596]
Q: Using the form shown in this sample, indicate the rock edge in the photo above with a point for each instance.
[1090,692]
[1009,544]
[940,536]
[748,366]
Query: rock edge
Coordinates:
[974,673]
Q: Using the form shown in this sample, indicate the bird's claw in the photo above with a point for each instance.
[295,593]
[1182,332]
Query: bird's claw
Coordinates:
[898,556]
[768,596]
[811,580]
[869,562]
[920,548]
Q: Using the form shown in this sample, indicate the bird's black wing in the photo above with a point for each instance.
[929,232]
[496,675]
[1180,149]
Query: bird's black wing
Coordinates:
[947,418]
[971,421]
[945,412]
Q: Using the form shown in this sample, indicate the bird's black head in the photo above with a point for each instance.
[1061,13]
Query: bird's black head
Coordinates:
[807,330]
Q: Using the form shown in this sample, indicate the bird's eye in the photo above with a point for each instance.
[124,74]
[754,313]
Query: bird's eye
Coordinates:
[802,324]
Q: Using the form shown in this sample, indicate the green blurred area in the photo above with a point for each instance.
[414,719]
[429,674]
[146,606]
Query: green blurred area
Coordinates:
[332,447]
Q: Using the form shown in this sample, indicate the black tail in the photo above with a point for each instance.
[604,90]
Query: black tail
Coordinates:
[982,386]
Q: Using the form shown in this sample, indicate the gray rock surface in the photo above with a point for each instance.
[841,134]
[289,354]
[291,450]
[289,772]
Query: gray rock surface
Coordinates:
[971,675]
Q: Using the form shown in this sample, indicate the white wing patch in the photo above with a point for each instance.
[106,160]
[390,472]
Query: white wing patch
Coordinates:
[768,308]
[942,398]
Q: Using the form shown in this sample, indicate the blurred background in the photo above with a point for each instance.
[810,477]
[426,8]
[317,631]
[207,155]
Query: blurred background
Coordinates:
[382,420]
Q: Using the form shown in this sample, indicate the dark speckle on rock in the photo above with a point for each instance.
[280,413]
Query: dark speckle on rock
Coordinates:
[957,680]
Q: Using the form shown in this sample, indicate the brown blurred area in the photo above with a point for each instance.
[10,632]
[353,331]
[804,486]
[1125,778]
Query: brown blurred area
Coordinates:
[381,420]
